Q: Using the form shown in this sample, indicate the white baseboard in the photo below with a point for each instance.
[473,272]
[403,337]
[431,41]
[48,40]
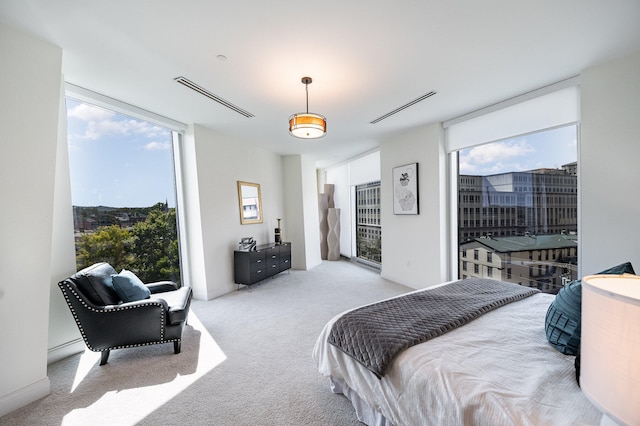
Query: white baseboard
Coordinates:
[41,388]
[24,396]
[65,350]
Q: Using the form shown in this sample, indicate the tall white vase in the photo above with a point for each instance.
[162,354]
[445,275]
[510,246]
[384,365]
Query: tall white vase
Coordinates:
[333,237]
[324,226]
[329,190]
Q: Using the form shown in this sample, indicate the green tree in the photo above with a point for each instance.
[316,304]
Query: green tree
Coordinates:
[155,244]
[108,244]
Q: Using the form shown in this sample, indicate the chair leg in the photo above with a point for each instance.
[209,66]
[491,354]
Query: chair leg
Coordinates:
[104,356]
[176,346]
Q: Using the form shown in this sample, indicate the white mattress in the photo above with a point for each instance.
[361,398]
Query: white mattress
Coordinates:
[497,370]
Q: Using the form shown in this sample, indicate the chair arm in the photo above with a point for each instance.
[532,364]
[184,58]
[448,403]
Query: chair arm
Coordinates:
[127,324]
[178,303]
[144,303]
[162,286]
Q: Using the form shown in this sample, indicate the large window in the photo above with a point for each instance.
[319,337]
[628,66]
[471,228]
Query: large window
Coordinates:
[518,209]
[368,225]
[123,192]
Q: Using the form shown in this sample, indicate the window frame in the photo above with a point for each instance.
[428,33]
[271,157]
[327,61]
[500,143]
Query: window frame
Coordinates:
[178,131]
[452,171]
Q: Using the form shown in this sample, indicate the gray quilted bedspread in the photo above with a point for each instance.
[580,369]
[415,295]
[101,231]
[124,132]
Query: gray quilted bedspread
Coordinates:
[373,335]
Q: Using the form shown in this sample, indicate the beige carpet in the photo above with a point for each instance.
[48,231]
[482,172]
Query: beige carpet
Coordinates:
[246,360]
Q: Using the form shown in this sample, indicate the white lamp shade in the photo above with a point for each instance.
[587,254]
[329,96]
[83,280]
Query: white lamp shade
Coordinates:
[610,345]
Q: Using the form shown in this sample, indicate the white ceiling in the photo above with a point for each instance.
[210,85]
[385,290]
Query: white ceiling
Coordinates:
[366,58]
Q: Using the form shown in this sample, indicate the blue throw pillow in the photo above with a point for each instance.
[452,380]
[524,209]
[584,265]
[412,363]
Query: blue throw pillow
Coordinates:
[563,320]
[129,287]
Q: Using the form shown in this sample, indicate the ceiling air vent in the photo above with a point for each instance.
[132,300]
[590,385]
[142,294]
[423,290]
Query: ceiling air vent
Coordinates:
[407,105]
[193,86]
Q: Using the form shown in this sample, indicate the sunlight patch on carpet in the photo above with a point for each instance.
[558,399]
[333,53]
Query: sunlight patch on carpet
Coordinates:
[139,384]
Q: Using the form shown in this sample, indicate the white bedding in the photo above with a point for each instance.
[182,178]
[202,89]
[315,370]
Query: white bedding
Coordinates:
[497,370]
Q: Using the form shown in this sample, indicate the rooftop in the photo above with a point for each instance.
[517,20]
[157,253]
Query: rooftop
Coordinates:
[526,242]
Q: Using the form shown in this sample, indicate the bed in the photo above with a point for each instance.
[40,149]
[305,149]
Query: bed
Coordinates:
[497,369]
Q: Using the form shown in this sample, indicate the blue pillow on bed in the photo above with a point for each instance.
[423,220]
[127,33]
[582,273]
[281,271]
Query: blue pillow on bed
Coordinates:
[563,320]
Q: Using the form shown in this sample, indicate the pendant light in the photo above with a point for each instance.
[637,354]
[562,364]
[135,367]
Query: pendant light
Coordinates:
[307,125]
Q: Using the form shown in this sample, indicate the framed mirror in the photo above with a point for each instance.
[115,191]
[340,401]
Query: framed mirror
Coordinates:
[250,202]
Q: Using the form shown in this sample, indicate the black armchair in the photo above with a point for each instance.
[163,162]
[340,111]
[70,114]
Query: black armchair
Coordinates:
[105,322]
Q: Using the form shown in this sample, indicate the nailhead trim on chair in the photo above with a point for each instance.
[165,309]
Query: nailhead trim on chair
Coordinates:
[84,337]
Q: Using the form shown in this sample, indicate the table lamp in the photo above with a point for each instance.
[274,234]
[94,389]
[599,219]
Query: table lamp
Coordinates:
[610,346]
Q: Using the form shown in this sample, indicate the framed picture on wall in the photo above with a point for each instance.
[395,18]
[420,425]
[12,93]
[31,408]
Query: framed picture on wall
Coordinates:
[405,189]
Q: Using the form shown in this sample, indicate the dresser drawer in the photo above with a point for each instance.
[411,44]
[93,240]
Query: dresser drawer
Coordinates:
[257,275]
[285,263]
[257,261]
[285,256]
[272,258]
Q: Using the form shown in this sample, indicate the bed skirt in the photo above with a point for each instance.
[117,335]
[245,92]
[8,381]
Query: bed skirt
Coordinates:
[365,414]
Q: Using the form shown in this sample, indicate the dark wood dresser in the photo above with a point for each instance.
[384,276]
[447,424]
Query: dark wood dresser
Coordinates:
[250,267]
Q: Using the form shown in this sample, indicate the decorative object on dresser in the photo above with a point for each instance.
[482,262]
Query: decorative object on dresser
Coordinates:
[266,260]
[278,232]
[246,244]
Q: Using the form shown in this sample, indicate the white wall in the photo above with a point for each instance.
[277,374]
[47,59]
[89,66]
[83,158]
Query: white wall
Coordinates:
[609,171]
[339,177]
[301,206]
[364,169]
[219,162]
[64,337]
[192,250]
[414,249]
[311,215]
[30,78]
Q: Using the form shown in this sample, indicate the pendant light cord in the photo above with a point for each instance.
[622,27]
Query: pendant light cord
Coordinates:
[306,88]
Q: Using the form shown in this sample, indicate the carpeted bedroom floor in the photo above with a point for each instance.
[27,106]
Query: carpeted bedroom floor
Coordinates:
[245,360]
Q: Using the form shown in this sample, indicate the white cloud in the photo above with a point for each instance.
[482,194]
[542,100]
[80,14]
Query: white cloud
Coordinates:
[494,157]
[499,151]
[89,113]
[97,129]
[143,128]
[157,146]
[100,123]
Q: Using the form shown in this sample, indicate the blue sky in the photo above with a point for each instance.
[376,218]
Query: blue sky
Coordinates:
[550,149]
[120,161]
[116,160]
